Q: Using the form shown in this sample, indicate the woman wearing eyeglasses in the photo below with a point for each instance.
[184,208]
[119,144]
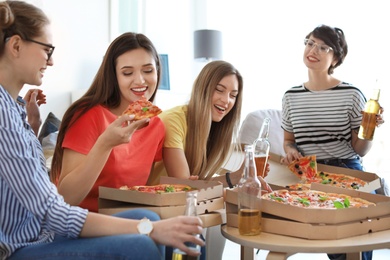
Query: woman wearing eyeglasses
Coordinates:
[35,221]
[322,116]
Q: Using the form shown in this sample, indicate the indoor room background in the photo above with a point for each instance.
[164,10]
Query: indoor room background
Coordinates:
[263,39]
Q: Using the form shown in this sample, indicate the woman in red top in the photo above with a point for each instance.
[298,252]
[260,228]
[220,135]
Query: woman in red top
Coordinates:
[93,147]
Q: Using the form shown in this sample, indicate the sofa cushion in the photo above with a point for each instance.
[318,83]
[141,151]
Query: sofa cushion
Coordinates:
[251,125]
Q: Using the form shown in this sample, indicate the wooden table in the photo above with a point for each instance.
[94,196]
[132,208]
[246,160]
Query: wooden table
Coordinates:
[281,247]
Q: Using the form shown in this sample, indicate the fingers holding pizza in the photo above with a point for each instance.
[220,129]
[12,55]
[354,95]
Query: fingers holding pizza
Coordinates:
[121,130]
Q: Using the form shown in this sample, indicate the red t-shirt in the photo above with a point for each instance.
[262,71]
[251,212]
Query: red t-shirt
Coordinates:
[128,164]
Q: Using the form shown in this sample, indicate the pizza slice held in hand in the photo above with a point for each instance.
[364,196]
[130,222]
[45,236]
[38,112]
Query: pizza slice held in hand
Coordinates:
[304,167]
[142,108]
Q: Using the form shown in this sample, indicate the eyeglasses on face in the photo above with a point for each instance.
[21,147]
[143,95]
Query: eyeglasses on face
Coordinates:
[49,51]
[321,48]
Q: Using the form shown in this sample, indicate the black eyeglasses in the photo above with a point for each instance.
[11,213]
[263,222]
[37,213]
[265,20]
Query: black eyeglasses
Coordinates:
[49,52]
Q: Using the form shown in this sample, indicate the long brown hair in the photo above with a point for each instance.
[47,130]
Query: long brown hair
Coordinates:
[104,89]
[208,143]
[20,18]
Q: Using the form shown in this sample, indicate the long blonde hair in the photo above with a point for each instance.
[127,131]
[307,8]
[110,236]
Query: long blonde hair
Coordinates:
[208,143]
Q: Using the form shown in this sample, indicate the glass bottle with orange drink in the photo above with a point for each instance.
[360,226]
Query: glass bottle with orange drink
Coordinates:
[371,109]
[262,147]
[249,192]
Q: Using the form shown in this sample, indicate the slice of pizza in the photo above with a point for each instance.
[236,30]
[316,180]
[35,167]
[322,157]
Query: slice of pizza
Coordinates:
[142,108]
[304,167]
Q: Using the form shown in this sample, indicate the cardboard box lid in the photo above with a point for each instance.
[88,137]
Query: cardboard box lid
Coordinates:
[204,207]
[280,174]
[330,216]
[206,190]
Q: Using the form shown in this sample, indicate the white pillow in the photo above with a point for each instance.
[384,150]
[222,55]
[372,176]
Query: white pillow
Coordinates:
[251,125]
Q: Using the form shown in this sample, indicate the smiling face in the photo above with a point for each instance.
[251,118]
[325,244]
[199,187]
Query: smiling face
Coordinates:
[137,75]
[34,63]
[315,59]
[224,97]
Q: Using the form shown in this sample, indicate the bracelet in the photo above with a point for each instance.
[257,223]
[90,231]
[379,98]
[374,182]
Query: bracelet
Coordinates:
[229,182]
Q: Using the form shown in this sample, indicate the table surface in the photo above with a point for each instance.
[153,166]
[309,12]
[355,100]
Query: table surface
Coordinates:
[292,245]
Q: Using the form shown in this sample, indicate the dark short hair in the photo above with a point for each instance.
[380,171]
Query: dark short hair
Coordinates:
[335,38]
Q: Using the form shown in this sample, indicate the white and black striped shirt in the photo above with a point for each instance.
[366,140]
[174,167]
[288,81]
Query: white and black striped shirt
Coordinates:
[322,121]
[31,210]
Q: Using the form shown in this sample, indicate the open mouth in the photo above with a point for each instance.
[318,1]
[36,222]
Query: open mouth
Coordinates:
[141,89]
[222,109]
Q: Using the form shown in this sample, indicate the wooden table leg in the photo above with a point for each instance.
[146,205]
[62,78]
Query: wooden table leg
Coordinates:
[354,256]
[247,253]
[277,256]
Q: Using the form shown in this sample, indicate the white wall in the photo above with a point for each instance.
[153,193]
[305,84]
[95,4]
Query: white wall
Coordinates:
[263,39]
[81,36]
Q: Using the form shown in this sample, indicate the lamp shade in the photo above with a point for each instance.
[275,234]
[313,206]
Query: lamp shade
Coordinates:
[208,44]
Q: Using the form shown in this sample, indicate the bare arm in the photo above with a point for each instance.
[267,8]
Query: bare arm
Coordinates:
[361,147]
[176,163]
[79,172]
[290,148]
[172,232]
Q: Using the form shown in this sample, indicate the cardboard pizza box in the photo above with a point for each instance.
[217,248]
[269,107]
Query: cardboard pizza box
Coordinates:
[320,216]
[280,174]
[205,207]
[206,190]
[282,226]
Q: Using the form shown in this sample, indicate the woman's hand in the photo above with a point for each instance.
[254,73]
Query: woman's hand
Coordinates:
[379,117]
[291,156]
[34,98]
[264,185]
[121,130]
[175,231]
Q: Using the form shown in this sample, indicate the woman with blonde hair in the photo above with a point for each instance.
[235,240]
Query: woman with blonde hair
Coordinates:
[200,135]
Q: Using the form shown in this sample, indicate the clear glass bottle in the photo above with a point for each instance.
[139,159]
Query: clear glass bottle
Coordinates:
[192,198]
[371,109]
[249,193]
[262,147]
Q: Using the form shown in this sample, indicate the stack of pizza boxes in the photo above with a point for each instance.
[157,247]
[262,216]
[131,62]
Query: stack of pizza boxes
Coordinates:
[209,208]
[311,223]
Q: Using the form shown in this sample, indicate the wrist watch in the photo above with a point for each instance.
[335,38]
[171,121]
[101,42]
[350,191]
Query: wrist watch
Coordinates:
[145,226]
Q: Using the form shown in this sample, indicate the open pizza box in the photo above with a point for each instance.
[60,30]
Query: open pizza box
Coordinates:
[204,207]
[210,198]
[319,216]
[280,174]
[207,190]
[341,228]
[286,227]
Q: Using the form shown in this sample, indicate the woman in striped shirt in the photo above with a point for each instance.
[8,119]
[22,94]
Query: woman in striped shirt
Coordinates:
[322,116]
[35,222]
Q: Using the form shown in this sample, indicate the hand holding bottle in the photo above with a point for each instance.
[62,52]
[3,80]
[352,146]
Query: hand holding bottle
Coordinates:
[191,251]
